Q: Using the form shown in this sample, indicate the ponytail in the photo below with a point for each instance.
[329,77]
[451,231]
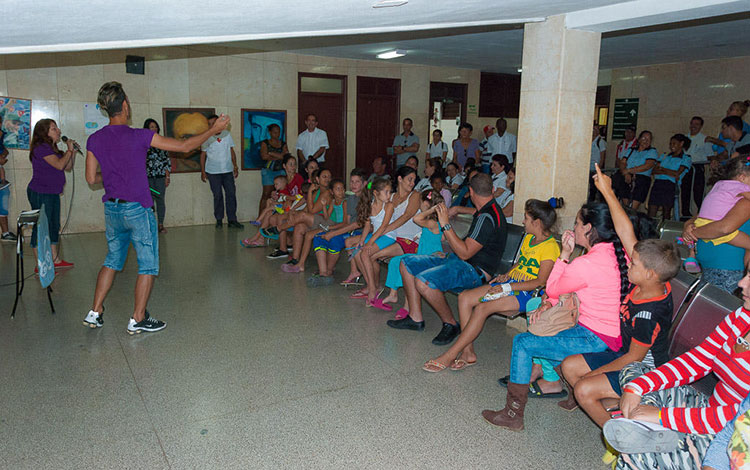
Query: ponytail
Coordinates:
[622,265]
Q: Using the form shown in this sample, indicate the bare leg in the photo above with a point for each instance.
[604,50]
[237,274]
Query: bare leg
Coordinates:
[3,224]
[306,247]
[589,392]
[283,234]
[437,301]
[652,211]
[364,263]
[387,252]
[143,285]
[392,297]
[413,299]
[103,284]
[298,237]
[321,257]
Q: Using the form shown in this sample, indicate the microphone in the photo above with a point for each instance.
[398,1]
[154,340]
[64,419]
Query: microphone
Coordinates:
[75,146]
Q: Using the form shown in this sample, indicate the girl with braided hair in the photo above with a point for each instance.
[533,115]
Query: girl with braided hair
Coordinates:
[600,279]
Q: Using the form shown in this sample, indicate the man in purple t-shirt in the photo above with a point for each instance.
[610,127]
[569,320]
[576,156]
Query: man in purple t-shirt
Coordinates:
[116,158]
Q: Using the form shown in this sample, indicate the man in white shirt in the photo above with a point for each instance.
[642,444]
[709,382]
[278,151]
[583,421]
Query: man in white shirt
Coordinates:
[219,166]
[694,181]
[598,155]
[502,142]
[312,142]
[484,146]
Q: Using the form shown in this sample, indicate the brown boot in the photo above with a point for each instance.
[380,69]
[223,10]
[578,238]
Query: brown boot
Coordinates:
[510,417]
[570,403]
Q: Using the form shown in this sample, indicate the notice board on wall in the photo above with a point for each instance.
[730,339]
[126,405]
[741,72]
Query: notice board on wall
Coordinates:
[624,116]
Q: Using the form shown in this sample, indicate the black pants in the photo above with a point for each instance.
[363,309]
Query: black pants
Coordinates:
[695,177]
[225,181]
[159,183]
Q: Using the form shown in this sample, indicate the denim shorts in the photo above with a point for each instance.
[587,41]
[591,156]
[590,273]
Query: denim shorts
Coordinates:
[443,274]
[4,202]
[267,175]
[128,223]
[597,359]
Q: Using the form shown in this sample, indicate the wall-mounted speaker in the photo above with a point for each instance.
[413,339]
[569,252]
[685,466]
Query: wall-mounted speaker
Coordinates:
[135,64]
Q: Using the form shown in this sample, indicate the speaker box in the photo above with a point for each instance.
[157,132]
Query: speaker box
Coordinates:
[135,64]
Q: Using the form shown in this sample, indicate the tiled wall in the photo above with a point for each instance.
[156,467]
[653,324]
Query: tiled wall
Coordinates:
[670,94]
[226,79]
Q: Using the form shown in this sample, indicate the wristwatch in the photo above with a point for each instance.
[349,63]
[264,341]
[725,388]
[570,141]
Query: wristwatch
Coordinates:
[447,227]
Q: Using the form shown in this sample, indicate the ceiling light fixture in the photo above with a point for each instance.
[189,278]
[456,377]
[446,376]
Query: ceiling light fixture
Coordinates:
[392,54]
[520,70]
[390,3]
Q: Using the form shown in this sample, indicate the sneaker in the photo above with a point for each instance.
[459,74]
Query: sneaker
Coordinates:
[447,334]
[63,264]
[218,224]
[4,184]
[148,324]
[94,320]
[277,254]
[235,224]
[406,324]
[637,437]
[9,237]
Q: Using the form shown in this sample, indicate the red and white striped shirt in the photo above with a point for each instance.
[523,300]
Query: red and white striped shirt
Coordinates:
[715,354]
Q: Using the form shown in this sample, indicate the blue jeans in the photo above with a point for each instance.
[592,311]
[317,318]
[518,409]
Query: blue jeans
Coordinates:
[526,347]
[128,223]
[51,204]
[4,202]
[443,274]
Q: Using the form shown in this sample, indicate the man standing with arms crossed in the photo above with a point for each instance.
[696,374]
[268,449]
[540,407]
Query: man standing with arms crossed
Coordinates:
[312,143]
[116,158]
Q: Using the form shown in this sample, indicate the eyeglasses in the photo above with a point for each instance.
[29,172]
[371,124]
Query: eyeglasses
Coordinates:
[743,342]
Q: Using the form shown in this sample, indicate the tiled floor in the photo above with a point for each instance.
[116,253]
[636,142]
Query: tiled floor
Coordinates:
[254,370]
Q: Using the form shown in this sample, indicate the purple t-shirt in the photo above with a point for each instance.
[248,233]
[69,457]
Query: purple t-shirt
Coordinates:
[45,178]
[121,152]
[461,154]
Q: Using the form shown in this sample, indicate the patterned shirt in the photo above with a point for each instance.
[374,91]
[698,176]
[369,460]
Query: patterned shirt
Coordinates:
[157,162]
[715,354]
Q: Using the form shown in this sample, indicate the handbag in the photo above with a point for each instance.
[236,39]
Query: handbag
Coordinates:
[275,165]
[558,318]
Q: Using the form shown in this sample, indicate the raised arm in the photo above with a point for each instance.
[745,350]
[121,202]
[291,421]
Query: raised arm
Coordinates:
[174,145]
[623,226]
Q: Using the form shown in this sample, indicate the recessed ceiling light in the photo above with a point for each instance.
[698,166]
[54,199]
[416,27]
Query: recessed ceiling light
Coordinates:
[390,3]
[392,54]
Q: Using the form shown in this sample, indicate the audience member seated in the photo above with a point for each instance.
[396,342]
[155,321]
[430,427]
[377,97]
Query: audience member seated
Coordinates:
[507,292]
[398,236]
[318,199]
[668,174]
[412,162]
[374,213]
[645,318]
[437,181]
[328,246]
[662,396]
[462,197]
[311,166]
[731,446]
[505,200]
[378,169]
[431,167]
[499,171]
[732,187]
[454,177]
[475,260]
[429,244]
[599,279]
[333,215]
[640,161]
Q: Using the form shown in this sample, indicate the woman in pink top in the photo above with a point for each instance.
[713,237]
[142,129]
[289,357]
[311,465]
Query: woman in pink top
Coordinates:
[599,278]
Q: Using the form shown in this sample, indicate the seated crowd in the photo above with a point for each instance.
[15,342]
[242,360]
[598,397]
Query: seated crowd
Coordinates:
[618,289]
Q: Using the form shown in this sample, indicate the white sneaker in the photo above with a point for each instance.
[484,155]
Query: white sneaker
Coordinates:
[148,324]
[93,320]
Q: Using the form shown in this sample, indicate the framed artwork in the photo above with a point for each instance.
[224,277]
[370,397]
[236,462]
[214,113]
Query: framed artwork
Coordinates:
[182,123]
[16,127]
[255,124]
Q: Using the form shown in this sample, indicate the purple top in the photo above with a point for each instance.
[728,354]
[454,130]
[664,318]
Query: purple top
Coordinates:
[45,178]
[461,154]
[121,153]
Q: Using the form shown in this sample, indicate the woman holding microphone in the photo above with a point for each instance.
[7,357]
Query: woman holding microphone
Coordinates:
[48,179]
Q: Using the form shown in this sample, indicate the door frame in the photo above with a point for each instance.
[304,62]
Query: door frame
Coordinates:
[344,93]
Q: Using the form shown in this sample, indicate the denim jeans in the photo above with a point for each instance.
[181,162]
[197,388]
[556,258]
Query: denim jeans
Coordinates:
[526,347]
[443,274]
[223,181]
[128,223]
[51,204]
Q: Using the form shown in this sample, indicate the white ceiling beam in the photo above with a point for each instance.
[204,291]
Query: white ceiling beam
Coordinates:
[643,13]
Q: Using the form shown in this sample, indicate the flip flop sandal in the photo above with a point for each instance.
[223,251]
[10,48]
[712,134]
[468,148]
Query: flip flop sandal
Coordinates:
[378,303]
[460,364]
[352,281]
[358,295]
[535,391]
[433,366]
[401,314]
[692,266]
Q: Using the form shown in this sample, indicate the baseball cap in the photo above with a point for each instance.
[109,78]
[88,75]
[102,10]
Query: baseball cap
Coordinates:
[488,128]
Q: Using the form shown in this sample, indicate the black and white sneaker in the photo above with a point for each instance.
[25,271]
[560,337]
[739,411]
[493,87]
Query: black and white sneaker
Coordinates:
[277,254]
[9,237]
[94,319]
[148,324]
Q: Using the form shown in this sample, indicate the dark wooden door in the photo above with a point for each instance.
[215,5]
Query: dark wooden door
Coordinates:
[378,103]
[328,103]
